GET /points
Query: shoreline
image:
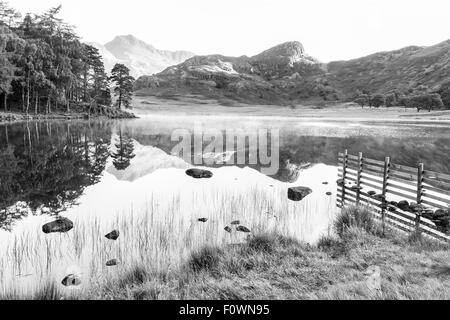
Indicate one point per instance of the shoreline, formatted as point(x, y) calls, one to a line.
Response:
point(162, 109)
point(17, 117)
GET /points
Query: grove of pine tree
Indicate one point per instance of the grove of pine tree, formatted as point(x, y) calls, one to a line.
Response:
point(44, 66)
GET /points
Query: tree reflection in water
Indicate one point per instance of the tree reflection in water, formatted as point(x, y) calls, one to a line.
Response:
point(124, 152)
point(45, 167)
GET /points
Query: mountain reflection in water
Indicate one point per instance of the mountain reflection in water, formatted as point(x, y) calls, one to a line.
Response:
point(46, 166)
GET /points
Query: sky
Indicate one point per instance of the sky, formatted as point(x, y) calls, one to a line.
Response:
point(329, 29)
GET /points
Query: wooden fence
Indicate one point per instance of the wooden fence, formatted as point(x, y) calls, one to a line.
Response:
point(407, 198)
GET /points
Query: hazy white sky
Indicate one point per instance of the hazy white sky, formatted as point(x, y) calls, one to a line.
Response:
point(329, 29)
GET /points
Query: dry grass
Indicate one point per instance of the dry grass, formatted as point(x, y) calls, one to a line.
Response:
point(275, 267)
point(271, 266)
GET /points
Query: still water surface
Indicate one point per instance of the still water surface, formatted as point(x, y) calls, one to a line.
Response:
point(106, 175)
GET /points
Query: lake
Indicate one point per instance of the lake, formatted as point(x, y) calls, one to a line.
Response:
point(130, 175)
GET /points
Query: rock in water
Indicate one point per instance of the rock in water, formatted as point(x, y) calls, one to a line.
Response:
point(61, 225)
point(298, 193)
point(227, 229)
point(403, 205)
point(439, 213)
point(243, 229)
point(112, 263)
point(113, 235)
point(204, 220)
point(199, 174)
point(428, 213)
point(71, 280)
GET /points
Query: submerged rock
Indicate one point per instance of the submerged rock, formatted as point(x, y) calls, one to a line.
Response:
point(199, 173)
point(298, 193)
point(325, 183)
point(112, 263)
point(113, 235)
point(371, 193)
point(61, 225)
point(227, 229)
point(71, 280)
point(204, 220)
point(243, 229)
point(235, 223)
point(329, 193)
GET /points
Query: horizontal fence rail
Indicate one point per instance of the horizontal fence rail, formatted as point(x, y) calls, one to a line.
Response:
point(407, 198)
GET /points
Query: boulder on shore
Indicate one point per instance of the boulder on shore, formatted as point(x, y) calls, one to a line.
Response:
point(61, 225)
point(298, 193)
point(199, 173)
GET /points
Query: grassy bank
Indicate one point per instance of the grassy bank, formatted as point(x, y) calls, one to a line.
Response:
point(359, 263)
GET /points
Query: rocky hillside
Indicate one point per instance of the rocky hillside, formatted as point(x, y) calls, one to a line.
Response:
point(403, 69)
point(141, 57)
point(280, 74)
point(286, 74)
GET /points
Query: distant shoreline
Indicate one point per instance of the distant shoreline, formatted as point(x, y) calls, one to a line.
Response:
point(189, 107)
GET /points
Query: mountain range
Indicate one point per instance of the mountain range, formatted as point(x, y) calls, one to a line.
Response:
point(287, 74)
point(140, 57)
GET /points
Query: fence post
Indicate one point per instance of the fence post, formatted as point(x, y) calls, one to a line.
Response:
point(344, 173)
point(420, 171)
point(358, 177)
point(387, 163)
